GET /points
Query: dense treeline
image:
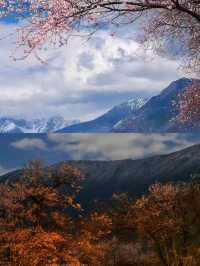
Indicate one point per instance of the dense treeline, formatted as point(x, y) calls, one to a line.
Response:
point(41, 223)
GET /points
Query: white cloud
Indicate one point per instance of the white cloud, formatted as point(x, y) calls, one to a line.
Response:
point(30, 144)
point(67, 85)
point(104, 146)
point(109, 146)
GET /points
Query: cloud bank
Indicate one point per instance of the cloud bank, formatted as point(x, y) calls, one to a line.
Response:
point(118, 146)
point(30, 144)
point(81, 80)
point(104, 146)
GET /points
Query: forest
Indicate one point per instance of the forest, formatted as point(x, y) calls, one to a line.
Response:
point(42, 223)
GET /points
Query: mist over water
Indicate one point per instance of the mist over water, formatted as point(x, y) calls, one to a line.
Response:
point(17, 149)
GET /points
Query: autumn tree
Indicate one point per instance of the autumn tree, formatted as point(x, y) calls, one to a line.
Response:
point(121, 211)
point(189, 106)
point(35, 227)
point(170, 27)
point(160, 22)
point(39, 225)
point(169, 217)
point(92, 231)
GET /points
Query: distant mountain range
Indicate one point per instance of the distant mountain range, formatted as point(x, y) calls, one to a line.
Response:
point(43, 125)
point(133, 176)
point(106, 122)
point(157, 115)
point(137, 115)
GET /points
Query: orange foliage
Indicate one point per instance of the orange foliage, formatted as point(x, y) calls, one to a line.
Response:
point(169, 217)
point(37, 229)
point(189, 106)
point(38, 247)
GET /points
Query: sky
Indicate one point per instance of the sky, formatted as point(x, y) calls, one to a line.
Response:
point(81, 80)
point(18, 149)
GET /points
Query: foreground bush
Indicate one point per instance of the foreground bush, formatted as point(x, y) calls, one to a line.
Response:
point(41, 223)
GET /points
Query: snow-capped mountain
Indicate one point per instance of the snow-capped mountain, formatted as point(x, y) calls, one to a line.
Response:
point(107, 121)
point(159, 114)
point(43, 125)
point(133, 104)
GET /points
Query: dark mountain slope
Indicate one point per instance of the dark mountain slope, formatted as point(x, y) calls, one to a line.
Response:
point(133, 176)
point(107, 121)
point(159, 113)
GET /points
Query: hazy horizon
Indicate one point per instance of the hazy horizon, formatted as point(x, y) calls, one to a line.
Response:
point(18, 149)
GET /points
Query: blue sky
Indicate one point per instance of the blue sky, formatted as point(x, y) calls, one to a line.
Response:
point(81, 80)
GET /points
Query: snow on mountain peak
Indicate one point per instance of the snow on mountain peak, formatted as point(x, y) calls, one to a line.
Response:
point(136, 103)
point(41, 125)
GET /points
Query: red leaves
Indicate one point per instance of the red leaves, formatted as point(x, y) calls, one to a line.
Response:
point(35, 228)
point(189, 105)
point(53, 22)
point(34, 225)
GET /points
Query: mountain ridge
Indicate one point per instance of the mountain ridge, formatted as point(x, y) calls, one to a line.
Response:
point(137, 115)
point(156, 115)
point(104, 178)
point(41, 125)
point(159, 114)
point(105, 122)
